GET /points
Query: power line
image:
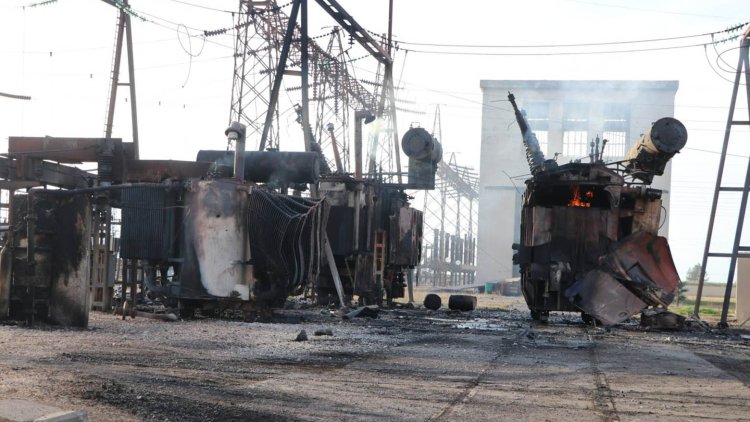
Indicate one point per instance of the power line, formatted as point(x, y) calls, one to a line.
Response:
point(564, 53)
point(733, 28)
point(643, 9)
point(202, 6)
point(14, 96)
point(175, 25)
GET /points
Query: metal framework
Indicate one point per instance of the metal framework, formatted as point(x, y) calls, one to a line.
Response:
point(738, 251)
point(271, 45)
point(449, 254)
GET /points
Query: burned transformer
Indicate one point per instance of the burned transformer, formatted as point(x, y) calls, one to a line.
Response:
point(211, 234)
point(589, 231)
point(228, 239)
point(374, 233)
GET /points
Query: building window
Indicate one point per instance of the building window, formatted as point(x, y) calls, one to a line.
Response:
point(615, 131)
point(537, 113)
point(575, 130)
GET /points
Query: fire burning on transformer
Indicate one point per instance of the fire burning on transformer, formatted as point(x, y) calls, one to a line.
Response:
point(589, 238)
point(578, 200)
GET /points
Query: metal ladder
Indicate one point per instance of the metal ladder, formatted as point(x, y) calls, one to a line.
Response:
point(738, 251)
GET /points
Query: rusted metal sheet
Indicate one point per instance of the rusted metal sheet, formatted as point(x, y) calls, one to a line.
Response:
point(599, 294)
point(405, 237)
point(644, 261)
point(50, 258)
point(25, 173)
point(69, 298)
point(62, 150)
point(216, 241)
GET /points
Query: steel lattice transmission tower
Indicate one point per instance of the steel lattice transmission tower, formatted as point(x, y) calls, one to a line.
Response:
point(334, 90)
point(256, 53)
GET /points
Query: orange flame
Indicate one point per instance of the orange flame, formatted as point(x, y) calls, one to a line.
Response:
point(576, 201)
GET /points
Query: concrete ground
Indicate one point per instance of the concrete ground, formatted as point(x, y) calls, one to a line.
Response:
point(490, 364)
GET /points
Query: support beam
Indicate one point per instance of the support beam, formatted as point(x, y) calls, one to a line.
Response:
point(305, 67)
point(125, 28)
point(26, 173)
point(353, 28)
point(334, 272)
point(131, 84)
point(279, 74)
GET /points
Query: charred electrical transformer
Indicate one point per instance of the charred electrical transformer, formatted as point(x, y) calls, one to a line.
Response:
point(45, 259)
point(209, 234)
point(224, 239)
point(375, 235)
point(589, 237)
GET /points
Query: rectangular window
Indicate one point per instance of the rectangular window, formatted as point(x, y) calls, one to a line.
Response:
point(575, 130)
point(616, 124)
point(537, 113)
point(543, 137)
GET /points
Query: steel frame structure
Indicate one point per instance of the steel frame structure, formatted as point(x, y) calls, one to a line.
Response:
point(271, 45)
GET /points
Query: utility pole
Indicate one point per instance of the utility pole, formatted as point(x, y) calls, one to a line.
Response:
point(124, 29)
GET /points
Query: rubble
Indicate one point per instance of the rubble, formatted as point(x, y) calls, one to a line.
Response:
point(302, 336)
point(662, 319)
point(363, 312)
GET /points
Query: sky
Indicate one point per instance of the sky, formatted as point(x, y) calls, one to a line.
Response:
point(60, 54)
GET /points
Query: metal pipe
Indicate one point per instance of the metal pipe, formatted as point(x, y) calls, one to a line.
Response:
point(107, 244)
point(270, 166)
point(334, 145)
point(105, 188)
point(304, 67)
point(368, 117)
point(334, 271)
point(358, 116)
point(356, 224)
point(236, 132)
point(30, 230)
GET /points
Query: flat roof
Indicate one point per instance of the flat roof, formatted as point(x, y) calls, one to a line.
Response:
point(578, 84)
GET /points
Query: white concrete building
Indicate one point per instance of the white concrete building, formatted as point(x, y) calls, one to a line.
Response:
point(566, 116)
